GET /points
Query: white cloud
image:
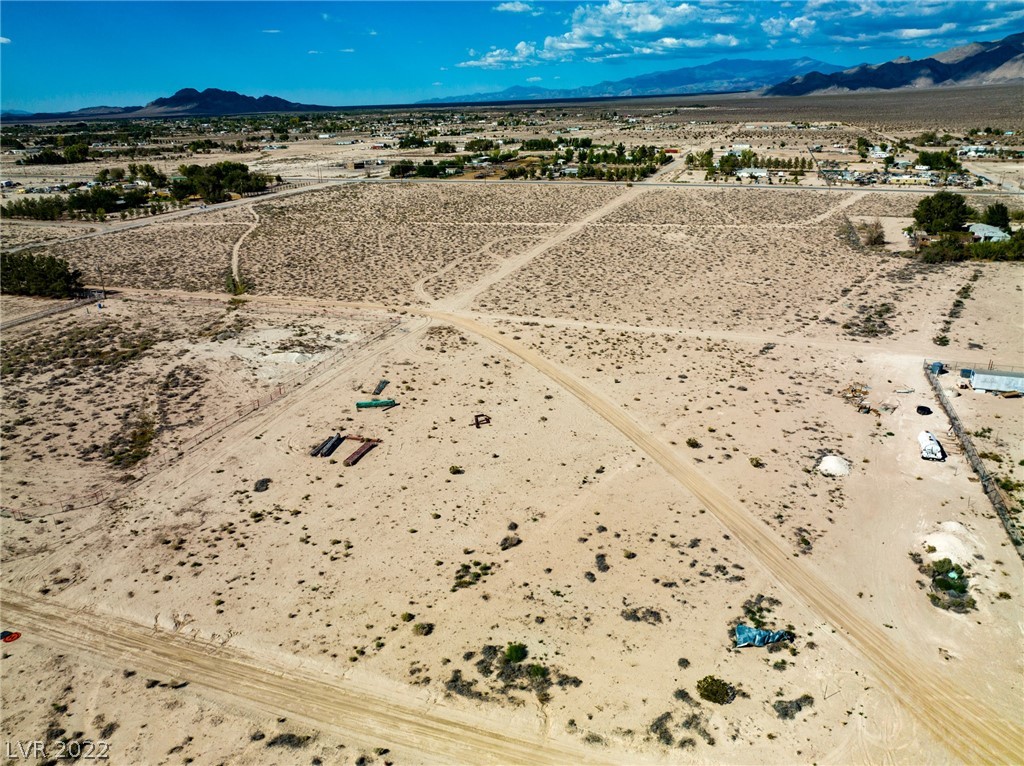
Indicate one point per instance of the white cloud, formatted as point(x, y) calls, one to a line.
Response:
point(502, 58)
point(802, 25)
point(775, 26)
point(671, 43)
point(514, 7)
point(534, 79)
point(346, 50)
point(4, 40)
point(620, 29)
point(313, 53)
point(908, 34)
point(437, 84)
point(913, 34)
point(271, 31)
point(372, 33)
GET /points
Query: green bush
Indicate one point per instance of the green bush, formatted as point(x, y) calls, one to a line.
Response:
point(716, 690)
point(515, 653)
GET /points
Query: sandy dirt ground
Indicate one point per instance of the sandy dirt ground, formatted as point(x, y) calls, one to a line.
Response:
point(664, 370)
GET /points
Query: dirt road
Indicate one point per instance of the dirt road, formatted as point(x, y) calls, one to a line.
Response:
point(427, 732)
point(966, 725)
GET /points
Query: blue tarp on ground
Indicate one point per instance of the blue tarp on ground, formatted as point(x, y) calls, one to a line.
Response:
point(747, 636)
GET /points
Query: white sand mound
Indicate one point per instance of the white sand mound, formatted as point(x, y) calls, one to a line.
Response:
point(951, 542)
point(292, 357)
point(833, 465)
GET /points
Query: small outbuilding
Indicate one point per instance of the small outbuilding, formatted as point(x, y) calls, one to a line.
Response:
point(997, 382)
point(986, 233)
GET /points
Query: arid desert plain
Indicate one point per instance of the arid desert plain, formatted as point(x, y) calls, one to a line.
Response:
point(664, 367)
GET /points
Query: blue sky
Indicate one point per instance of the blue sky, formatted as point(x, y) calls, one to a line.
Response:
point(67, 55)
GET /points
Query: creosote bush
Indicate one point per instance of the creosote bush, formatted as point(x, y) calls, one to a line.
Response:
point(515, 653)
point(716, 690)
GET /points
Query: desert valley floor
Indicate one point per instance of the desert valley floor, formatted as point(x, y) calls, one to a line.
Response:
point(663, 369)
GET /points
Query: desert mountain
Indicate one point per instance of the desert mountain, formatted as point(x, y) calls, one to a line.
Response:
point(986, 63)
point(188, 102)
point(718, 76)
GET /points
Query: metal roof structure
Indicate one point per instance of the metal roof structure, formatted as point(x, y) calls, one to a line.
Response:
point(991, 233)
point(993, 380)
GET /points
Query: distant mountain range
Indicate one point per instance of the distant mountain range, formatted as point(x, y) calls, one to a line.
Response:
point(725, 75)
point(187, 102)
point(988, 63)
point(984, 63)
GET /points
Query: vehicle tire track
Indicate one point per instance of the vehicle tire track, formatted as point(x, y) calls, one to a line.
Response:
point(238, 245)
point(435, 734)
point(512, 265)
point(967, 726)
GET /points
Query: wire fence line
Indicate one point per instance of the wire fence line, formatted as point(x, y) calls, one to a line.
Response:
point(116, 489)
point(988, 481)
point(980, 366)
point(44, 313)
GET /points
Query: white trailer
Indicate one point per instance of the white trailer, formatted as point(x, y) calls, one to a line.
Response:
point(930, 447)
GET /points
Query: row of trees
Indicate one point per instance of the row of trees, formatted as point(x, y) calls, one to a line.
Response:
point(74, 153)
point(96, 202)
point(616, 172)
point(728, 164)
point(40, 275)
point(427, 169)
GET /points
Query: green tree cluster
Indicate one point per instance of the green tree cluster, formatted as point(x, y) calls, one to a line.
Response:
point(998, 215)
point(942, 212)
point(538, 145)
point(480, 145)
point(412, 141)
point(945, 161)
point(214, 182)
point(40, 275)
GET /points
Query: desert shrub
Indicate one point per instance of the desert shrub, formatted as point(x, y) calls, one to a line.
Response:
point(716, 690)
point(873, 234)
point(693, 443)
point(423, 628)
point(288, 740)
point(515, 653)
point(131, 445)
point(659, 728)
point(787, 709)
point(456, 470)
